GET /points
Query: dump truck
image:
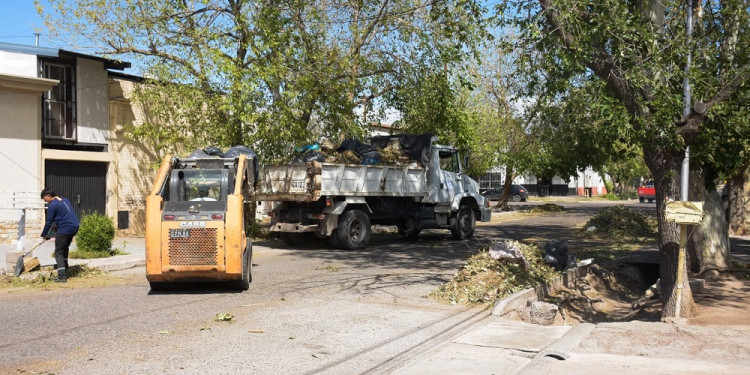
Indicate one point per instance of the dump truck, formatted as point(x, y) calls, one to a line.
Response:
point(341, 201)
point(195, 224)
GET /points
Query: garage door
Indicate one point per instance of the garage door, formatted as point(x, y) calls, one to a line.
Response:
point(84, 183)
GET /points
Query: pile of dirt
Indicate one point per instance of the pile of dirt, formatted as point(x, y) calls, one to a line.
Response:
point(622, 223)
point(547, 207)
point(484, 280)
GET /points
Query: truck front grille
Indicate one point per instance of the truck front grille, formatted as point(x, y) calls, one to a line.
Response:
point(197, 250)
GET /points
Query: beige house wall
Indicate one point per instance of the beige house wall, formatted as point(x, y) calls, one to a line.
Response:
point(135, 165)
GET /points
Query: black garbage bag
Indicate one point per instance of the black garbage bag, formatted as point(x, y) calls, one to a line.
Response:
point(214, 151)
point(252, 157)
point(363, 150)
point(198, 154)
point(556, 255)
point(313, 156)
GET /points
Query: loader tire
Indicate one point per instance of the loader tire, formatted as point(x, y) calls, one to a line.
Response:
point(247, 269)
point(354, 230)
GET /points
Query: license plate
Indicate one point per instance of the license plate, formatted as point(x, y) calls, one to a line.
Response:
point(179, 233)
point(299, 185)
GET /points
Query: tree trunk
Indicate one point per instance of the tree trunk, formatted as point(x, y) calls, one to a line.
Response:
point(708, 244)
point(503, 203)
point(737, 203)
point(665, 167)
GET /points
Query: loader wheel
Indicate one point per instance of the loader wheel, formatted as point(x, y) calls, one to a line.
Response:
point(247, 269)
point(464, 224)
point(354, 230)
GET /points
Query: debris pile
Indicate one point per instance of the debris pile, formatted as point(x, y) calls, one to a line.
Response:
point(547, 207)
point(496, 272)
point(403, 149)
point(621, 222)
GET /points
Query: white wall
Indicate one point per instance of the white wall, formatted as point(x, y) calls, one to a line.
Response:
point(20, 132)
point(93, 101)
point(19, 64)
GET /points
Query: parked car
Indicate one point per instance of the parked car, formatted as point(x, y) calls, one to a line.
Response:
point(518, 193)
point(647, 191)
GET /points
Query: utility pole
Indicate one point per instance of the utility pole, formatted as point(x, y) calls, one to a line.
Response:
point(684, 178)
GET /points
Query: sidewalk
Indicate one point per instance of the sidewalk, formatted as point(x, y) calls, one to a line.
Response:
point(135, 247)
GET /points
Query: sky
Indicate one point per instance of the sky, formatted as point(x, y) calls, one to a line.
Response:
point(18, 22)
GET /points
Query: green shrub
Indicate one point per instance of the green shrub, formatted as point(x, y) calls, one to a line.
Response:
point(96, 234)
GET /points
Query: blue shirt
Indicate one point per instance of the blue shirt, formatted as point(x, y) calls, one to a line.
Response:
point(61, 212)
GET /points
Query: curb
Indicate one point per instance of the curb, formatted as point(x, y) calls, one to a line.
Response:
point(519, 299)
point(115, 266)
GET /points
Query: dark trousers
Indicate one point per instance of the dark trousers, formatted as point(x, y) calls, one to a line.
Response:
point(62, 248)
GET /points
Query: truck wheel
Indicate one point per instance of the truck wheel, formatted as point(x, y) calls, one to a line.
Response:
point(247, 269)
point(354, 230)
point(641, 199)
point(464, 224)
point(650, 201)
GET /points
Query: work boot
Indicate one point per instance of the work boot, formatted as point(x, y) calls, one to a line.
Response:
point(62, 276)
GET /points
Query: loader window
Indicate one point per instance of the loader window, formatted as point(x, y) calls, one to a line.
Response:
point(198, 185)
point(203, 186)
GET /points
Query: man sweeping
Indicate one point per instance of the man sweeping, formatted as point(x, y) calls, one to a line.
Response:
point(60, 211)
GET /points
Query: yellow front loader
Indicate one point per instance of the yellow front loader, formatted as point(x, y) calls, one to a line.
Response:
point(195, 229)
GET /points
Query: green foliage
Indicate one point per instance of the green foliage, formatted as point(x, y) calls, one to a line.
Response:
point(95, 234)
point(269, 74)
point(484, 280)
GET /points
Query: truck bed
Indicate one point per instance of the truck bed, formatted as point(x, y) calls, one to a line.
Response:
point(310, 181)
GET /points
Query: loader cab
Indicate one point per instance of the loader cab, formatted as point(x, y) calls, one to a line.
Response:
point(197, 188)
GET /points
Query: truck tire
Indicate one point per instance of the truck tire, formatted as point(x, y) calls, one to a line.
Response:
point(641, 199)
point(651, 200)
point(464, 224)
point(354, 230)
point(247, 269)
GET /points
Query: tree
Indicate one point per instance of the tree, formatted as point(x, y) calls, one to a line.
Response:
point(270, 74)
point(633, 48)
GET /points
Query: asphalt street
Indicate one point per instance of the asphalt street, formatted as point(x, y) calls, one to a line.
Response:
point(308, 310)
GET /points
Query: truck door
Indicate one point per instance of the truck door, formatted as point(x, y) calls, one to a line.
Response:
point(451, 170)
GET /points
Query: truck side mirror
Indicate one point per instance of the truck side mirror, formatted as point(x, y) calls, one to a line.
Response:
point(466, 163)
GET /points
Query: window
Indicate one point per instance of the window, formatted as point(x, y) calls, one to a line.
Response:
point(449, 161)
point(59, 107)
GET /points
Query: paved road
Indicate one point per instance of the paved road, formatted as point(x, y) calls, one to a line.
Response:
point(309, 310)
